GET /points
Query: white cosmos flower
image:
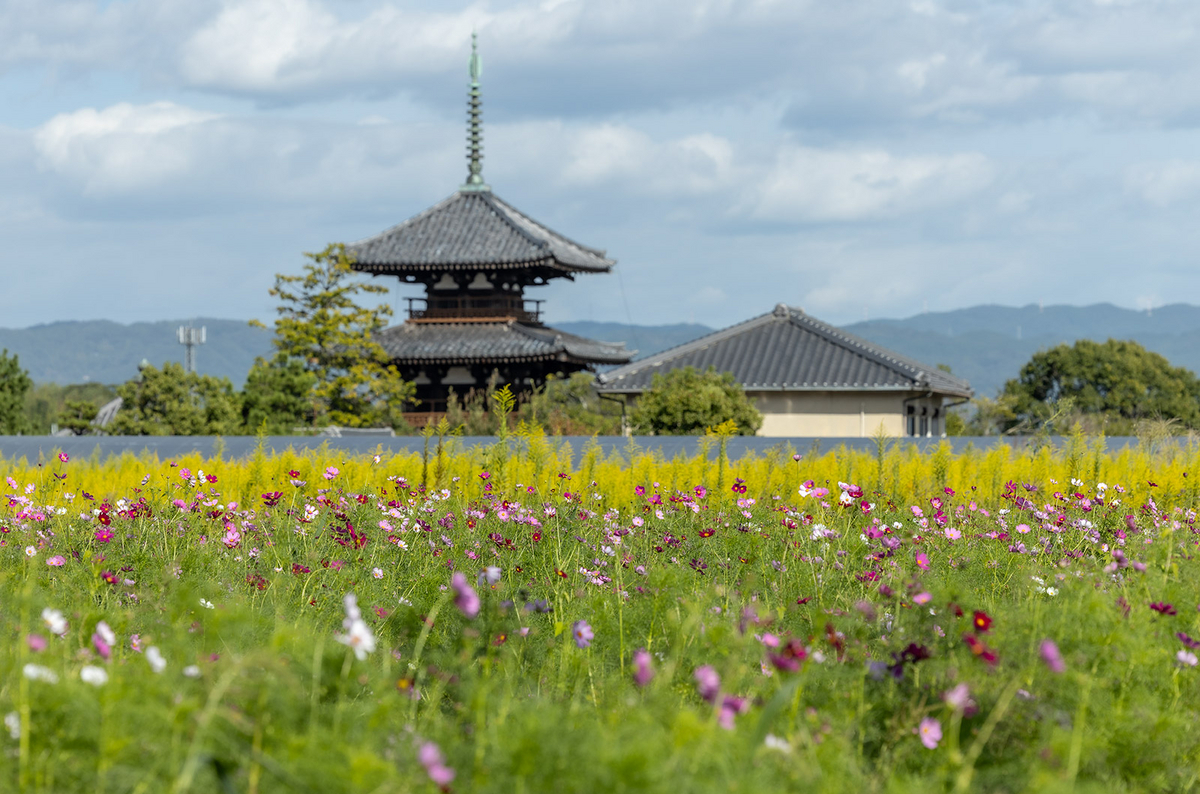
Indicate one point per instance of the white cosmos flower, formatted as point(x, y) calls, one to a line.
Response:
point(30, 551)
point(192, 671)
point(359, 638)
point(91, 674)
point(36, 672)
point(206, 604)
point(155, 658)
point(55, 621)
point(12, 721)
point(106, 634)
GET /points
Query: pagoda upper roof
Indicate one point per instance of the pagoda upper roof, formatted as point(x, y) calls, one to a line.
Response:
point(473, 229)
point(481, 342)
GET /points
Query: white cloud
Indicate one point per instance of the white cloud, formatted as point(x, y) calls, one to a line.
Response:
point(120, 148)
point(1163, 184)
point(286, 47)
point(610, 153)
point(809, 184)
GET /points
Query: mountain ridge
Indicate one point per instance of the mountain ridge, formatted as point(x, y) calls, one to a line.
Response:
point(986, 344)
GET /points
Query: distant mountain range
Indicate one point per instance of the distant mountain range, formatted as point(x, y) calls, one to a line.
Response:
point(987, 345)
point(102, 351)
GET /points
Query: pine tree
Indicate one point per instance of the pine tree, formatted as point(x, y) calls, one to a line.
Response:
point(15, 383)
point(321, 326)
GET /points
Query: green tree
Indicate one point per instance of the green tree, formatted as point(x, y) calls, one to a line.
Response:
point(14, 384)
point(685, 402)
point(1120, 381)
point(278, 394)
point(321, 326)
point(172, 402)
point(46, 403)
point(77, 416)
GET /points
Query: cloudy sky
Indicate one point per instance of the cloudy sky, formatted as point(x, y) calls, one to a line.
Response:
point(164, 158)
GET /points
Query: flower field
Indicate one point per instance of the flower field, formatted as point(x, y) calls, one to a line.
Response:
point(525, 619)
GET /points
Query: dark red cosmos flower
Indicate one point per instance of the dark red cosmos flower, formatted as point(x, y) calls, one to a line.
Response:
point(981, 650)
point(1162, 608)
point(707, 533)
point(271, 498)
point(109, 577)
point(982, 621)
point(561, 573)
point(1188, 641)
point(699, 566)
point(790, 656)
point(802, 601)
point(212, 478)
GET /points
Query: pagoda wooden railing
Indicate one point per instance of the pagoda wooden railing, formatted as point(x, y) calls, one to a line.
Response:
point(450, 308)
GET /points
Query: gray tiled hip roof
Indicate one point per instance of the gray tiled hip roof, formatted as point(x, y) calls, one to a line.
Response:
point(458, 343)
point(473, 230)
point(787, 350)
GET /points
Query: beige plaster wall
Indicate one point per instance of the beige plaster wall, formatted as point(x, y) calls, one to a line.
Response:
point(839, 413)
point(829, 413)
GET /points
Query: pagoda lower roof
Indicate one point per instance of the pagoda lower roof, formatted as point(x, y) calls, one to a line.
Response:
point(499, 342)
point(473, 230)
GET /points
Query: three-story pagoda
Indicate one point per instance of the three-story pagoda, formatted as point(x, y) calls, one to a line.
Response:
point(475, 254)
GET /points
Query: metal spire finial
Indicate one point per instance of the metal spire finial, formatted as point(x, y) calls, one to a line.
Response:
point(474, 123)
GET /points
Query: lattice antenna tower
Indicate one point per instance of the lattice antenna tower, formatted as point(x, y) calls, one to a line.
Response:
point(191, 338)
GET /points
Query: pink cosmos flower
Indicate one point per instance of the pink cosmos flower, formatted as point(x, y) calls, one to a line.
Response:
point(930, 731)
point(643, 669)
point(57, 560)
point(952, 534)
point(64, 457)
point(465, 597)
point(104, 535)
point(185, 474)
point(958, 697)
point(730, 707)
point(922, 560)
point(37, 643)
point(1052, 657)
point(430, 757)
point(331, 472)
point(583, 634)
point(922, 598)
point(708, 683)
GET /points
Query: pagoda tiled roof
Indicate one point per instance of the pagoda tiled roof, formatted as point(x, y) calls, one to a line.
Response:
point(481, 342)
point(788, 350)
point(473, 229)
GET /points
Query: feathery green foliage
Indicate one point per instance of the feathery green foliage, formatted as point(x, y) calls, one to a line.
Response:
point(321, 325)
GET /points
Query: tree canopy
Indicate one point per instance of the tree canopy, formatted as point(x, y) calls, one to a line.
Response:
point(687, 402)
point(14, 384)
point(173, 402)
point(322, 328)
point(1118, 380)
